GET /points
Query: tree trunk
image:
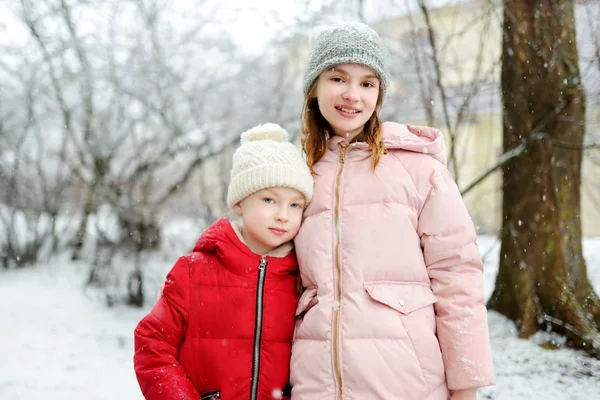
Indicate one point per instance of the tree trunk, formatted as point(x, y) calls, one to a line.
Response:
point(90, 206)
point(88, 209)
point(542, 280)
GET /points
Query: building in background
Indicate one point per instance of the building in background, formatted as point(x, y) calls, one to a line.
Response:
point(467, 65)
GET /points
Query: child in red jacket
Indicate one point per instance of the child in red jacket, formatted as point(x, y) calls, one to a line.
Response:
point(223, 327)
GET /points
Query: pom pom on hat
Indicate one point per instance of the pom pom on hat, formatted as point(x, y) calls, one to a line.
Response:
point(266, 159)
point(264, 132)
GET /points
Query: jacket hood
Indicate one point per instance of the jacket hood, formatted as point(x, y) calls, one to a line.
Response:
point(420, 139)
point(221, 238)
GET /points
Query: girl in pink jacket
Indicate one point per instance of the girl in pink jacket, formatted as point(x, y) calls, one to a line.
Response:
point(393, 304)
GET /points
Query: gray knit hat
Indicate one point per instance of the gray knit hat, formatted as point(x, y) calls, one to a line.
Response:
point(348, 42)
point(267, 159)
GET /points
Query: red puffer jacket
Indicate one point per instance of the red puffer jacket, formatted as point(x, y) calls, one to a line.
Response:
point(223, 327)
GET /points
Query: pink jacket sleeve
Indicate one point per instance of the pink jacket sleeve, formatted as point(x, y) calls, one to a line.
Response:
point(158, 337)
point(455, 269)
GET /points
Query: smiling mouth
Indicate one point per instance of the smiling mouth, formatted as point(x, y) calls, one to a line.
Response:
point(347, 110)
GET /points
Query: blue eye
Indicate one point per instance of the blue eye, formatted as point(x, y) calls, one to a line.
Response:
point(268, 200)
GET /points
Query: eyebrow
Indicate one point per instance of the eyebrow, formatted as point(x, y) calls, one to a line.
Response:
point(343, 71)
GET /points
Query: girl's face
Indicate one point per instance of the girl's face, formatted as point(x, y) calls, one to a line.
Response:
point(270, 217)
point(347, 96)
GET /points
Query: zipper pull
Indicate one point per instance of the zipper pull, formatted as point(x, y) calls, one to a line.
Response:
point(263, 263)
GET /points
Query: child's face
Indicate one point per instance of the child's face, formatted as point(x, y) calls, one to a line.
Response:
point(270, 217)
point(347, 96)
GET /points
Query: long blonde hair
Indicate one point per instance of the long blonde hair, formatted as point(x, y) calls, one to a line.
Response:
point(315, 130)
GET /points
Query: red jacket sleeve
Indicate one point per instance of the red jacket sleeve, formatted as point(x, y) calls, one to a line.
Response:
point(157, 339)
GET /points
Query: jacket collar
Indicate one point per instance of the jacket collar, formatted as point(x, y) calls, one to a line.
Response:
point(420, 139)
point(222, 239)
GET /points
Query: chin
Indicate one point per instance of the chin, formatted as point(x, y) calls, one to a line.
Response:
point(344, 129)
point(282, 242)
point(272, 245)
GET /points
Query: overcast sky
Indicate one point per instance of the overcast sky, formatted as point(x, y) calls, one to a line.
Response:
point(252, 22)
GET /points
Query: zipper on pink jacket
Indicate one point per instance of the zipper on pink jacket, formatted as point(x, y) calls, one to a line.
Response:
point(260, 291)
point(338, 282)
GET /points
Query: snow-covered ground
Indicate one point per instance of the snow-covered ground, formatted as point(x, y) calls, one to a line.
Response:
point(59, 341)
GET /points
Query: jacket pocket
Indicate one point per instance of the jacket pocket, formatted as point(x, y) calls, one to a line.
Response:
point(405, 297)
point(414, 303)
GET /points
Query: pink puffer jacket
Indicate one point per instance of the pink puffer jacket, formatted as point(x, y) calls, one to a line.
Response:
point(394, 303)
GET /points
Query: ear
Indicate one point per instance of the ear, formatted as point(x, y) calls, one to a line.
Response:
point(237, 209)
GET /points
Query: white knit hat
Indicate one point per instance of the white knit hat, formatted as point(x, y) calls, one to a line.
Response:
point(267, 159)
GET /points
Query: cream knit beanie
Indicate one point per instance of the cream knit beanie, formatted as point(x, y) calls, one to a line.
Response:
point(267, 159)
point(348, 42)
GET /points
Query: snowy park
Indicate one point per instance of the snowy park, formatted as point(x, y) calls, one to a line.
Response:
point(394, 135)
point(60, 342)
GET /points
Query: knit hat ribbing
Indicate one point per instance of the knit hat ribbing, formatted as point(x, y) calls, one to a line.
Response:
point(266, 159)
point(348, 42)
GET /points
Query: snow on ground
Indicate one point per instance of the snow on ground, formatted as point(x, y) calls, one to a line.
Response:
point(59, 341)
point(57, 344)
point(523, 369)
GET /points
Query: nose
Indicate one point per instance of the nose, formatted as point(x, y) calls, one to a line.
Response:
point(351, 93)
point(282, 215)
